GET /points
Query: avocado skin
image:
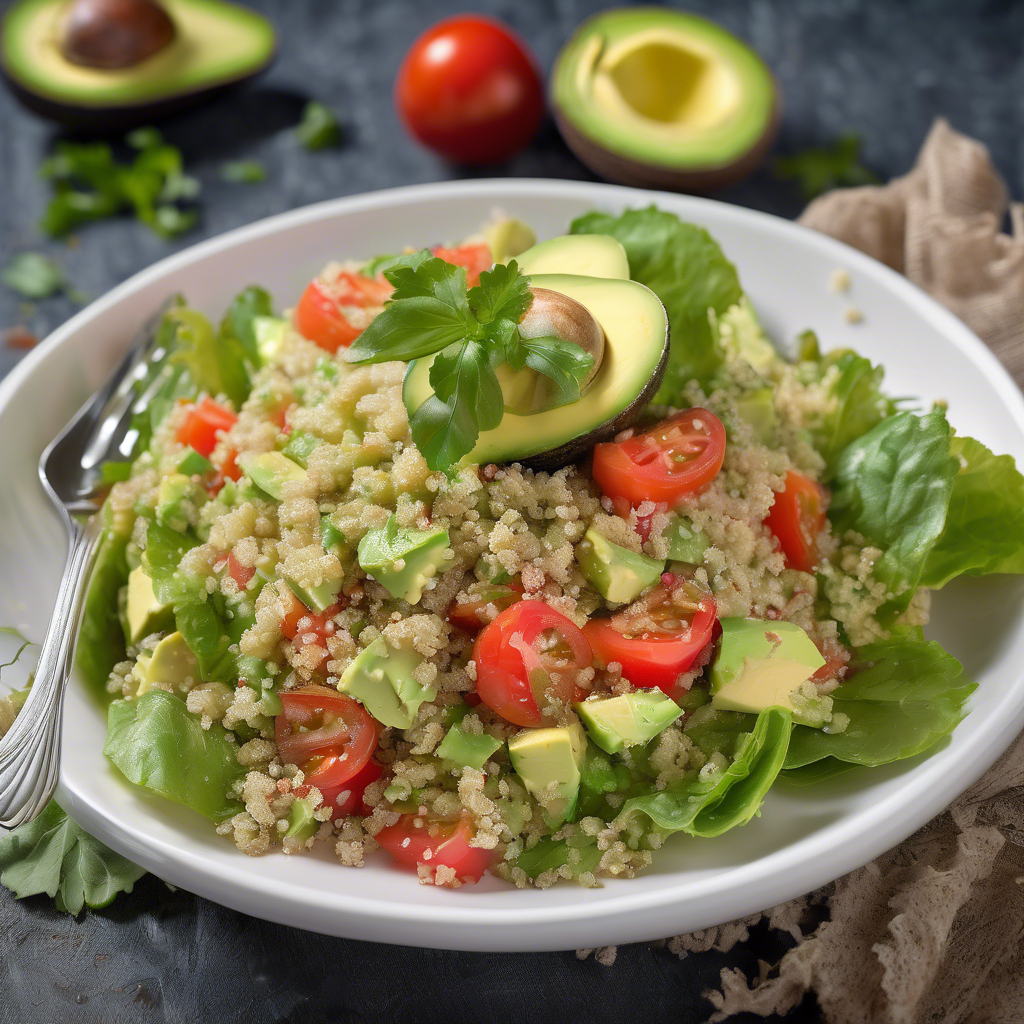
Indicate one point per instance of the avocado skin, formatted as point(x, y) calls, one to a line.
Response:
point(580, 447)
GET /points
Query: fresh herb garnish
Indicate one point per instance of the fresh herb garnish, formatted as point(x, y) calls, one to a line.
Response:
point(33, 275)
point(470, 331)
point(820, 169)
point(318, 128)
point(243, 172)
point(90, 184)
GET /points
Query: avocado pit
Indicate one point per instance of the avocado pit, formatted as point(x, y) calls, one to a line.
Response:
point(114, 34)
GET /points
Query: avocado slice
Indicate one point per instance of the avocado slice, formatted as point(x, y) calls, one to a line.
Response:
point(507, 237)
point(215, 45)
point(467, 749)
point(172, 662)
point(757, 408)
point(402, 560)
point(144, 614)
point(760, 665)
point(319, 596)
point(585, 255)
point(686, 543)
point(616, 573)
point(381, 680)
point(653, 97)
point(548, 762)
point(628, 720)
point(635, 354)
point(175, 493)
point(270, 471)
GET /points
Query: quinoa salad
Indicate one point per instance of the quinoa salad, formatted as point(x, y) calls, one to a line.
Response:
point(515, 557)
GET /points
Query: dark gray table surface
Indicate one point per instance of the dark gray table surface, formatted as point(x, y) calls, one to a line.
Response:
point(881, 70)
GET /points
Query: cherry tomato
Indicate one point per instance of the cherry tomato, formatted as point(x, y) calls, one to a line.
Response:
point(528, 658)
point(203, 423)
point(326, 312)
point(836, 659)
point(659, 638)
point(796, 519)
point(305, 627)
point(413, 844)
point(330, 736)
point(469, 89)
point(475, 258)
point(675, 458)
point(241, 574)
point(471, 615)
point(347, 798)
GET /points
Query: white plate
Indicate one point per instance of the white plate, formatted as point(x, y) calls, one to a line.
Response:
point(804, 838)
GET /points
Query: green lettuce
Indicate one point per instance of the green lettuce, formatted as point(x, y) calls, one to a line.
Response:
point(215, 363)
point(155, 742)
point(550, 854)
point(686, 268)
point(239, 321)
point(53, 855)
point(893, 486)
point(984, 526)
point(903, 696)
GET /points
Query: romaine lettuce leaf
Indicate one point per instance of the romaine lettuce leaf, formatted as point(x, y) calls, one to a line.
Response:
point(903, 695)
point(686, 268)
point(53, 855)
point(893, 486)
point(155, 742)
point(984, 529)
point(216, 364)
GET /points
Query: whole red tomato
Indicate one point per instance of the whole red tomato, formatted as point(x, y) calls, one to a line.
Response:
point(469, 89)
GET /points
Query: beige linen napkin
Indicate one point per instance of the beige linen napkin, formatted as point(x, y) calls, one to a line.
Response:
point(933, 931)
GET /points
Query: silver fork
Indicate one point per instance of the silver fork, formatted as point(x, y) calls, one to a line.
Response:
point(70, 470)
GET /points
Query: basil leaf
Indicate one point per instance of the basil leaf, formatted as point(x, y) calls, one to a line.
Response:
point(155, 742)
point(503, 293)
point(33, 275)
point(563, 362)
point(414, 327)
point(53, 855)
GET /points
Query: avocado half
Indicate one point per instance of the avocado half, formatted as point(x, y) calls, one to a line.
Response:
point(216, 45)
point(658, 98)
point(635, 355)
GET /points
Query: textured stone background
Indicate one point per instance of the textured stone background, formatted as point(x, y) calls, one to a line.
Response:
point(883, 70)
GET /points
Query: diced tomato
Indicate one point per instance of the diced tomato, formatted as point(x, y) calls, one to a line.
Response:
point(241, 574)
point(330, 736)
point(351, 289)
point(796, 519)
point(836, 659)
point(475, 258)
point(527, 659)
point(659, 638)
point(347, 798)
point(202, 425)
point(305, 627)
point(319, 318)
point(416, 840)
point(675, 458)
point(471, 615)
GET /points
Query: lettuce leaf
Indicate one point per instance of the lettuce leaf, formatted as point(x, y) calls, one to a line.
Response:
point(155, 742)
point(53, 855)
point(893, 486)
point(984, 530)
point(686, 268)
point(215, 363)
point(708, 806)
point(238, 322)
point(550, 854)
point(903, 695)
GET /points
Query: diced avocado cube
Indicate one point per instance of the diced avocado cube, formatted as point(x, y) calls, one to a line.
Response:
point(628, 720)
point(319, 596)
point(270, 333)
point(299, 445)
point(382, 681)
point(686, 543)
point(332, 539)
point(144, 614)
point(758, 409)
point(194, 464)
point(271, 703)
point(548, 763)
point(508, 237)
point(270, 471)
point(487, 572)
point(176, 499)
point(327, 368)
point(467, 749)
point(760, 664)
point(616, 573)
point(401, 559)
point(172, 662)
point(301, 823)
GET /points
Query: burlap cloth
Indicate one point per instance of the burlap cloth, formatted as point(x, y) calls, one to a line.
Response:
point(934, 929)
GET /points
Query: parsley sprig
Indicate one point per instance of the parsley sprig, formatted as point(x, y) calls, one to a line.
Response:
point(469, 331)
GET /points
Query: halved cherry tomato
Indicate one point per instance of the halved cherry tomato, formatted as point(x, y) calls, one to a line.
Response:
point(413, 844)
point(319, 318)
point(675, 458)
point(469, 89)
point(796, 519)
point(470, 615)
point(204, 421)
point(528, 658)
point(327, 734)
point(475, 258)
point(351, 289)
point(241, 574)
point(659, 638)
point(347, 798)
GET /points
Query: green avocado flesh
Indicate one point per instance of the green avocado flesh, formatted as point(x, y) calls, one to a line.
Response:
point(628, 720)
point(216, 43)
point(616, 573)
point(548, 762)
point(636, 341)
point(585, 255)
point(662, 88)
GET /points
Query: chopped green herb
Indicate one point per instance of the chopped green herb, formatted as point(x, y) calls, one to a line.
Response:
point(819, 169)
point(33, 275)
point(318, 128)
point(243, 172)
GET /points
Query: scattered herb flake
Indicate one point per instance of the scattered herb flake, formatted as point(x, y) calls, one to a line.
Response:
point(318, 128)
point(243, 172)
point(817, 170)
point(33, 275)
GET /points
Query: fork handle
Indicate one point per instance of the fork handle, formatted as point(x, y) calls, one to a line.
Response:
point(30, 751)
